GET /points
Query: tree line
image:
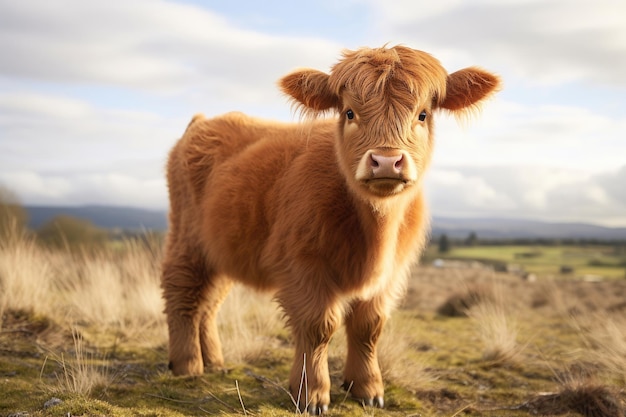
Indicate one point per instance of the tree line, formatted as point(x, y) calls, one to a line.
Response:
point(445, 243)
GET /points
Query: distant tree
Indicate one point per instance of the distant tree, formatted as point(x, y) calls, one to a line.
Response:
point(444, 244)
point(13, 217)
point(472, 239)
point(71, 232)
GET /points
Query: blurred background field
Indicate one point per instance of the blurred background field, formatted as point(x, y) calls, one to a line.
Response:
point(585, 261)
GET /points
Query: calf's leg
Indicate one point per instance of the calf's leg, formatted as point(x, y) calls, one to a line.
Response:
point(364, 324)
point(214, 294)
point(193, 294)
point(313, 321)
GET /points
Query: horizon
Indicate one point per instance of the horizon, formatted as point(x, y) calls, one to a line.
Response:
point(88, 115)
point(433, 217)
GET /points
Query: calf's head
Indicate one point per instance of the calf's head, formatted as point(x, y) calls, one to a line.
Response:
point(385, 99)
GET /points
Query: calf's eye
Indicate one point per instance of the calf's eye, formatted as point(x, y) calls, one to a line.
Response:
point(350, 114)
point(422, 116)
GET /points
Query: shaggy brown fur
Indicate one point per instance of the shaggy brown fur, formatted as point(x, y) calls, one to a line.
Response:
point(329, 218)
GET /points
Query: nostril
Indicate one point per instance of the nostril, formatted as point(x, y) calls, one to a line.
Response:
point(373, 161)
point(398, 164)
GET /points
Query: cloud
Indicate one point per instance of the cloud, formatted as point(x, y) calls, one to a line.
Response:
point(152, 45)
point(86, 188)
point(511, 133)
point(46, 132)
point(472, 190)
point(528, 191)
point(551, 41)
point(614, 185)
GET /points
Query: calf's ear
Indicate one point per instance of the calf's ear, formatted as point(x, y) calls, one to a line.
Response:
point(310, 90)
point(467, 88)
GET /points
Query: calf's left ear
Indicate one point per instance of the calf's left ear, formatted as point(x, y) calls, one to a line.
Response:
point(467, 88)
point(310, 90)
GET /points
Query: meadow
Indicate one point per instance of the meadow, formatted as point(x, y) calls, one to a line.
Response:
point(588, 261)
point(82, 333)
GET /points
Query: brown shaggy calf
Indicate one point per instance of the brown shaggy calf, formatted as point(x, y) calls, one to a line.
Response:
point(329, 216)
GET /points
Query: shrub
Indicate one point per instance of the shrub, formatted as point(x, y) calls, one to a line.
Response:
point(72, 233)
point(12, 215)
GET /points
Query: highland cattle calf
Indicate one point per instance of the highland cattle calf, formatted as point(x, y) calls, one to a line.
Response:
point(329, 216)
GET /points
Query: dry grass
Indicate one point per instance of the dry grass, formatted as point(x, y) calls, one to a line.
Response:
point(497, 327)
point(96, 301)
point(582, 396)
point(81, 373)
point(26, 276)
point(605, 338)
point(249, 323)
point(117, 292)
point(398, 363)
point(461, 302)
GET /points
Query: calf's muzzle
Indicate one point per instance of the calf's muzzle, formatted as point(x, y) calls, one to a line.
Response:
point(386, 166)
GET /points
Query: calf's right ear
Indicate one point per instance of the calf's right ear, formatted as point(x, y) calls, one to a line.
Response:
point(309, 89)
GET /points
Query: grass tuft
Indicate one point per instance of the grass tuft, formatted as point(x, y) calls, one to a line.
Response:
point(497, 330)
point(588, 399)
point(80, 374)
point(605, 340)
point(460, 302)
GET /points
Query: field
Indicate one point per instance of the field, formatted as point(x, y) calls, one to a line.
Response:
point(83, 334)
point(577, 261)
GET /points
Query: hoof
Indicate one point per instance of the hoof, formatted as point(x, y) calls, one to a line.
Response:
point(186, 368)
point(317, 410)
point(378, 402)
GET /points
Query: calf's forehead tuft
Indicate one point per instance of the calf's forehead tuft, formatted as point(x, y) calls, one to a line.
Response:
point(389, 73)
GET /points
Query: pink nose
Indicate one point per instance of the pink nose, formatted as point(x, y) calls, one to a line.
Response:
point(387, 166)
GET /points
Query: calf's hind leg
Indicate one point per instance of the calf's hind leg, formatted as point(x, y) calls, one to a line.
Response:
point(193, 294)
point(214, 294)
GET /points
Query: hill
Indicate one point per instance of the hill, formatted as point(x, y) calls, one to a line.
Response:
point(486, 228)
point(129, 218)
point(107, 217)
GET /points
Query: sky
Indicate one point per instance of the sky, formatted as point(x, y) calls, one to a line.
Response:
point(93, 94)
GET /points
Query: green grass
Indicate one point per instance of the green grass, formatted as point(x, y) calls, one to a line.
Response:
point(603, 261)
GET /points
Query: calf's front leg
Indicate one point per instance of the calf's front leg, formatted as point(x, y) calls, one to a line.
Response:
point(362, 376)
point(313, 324)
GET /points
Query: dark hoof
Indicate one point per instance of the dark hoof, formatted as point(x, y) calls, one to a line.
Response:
point(317, 410)
point(378, 402)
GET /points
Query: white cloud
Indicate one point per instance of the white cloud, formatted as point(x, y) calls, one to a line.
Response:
point(148, 44)
point(33, 105)
point(508, 133)
point(529, 191)
point(473, 191)
point(51, 133)
point(30, 184)
point(551, 41)
point(90, 188)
